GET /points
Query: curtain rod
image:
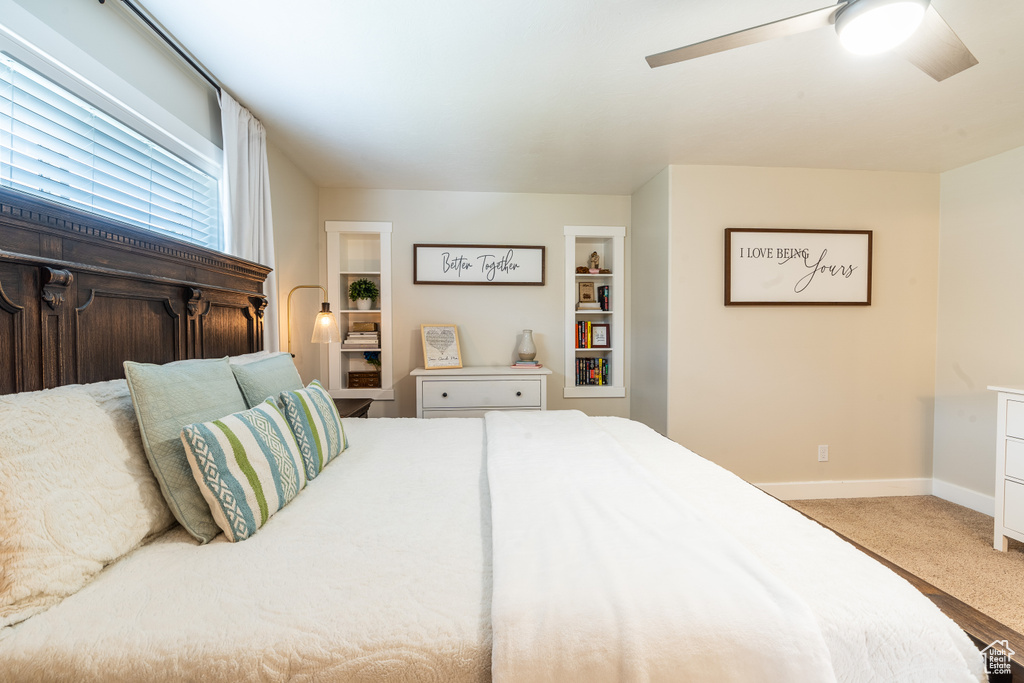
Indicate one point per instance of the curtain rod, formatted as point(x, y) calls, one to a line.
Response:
point(170, 41)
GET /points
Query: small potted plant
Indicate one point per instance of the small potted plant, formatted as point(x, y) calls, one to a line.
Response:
point(363, 292)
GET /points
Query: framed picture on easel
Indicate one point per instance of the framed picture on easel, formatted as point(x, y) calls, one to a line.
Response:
point(440, 347)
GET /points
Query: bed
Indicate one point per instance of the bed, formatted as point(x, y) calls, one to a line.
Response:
point(516, 547)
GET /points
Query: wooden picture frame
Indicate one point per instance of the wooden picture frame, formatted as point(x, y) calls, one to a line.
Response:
point(600, 336)
point(440, 347)
point(478, 264)
point(780, 267)
point(587, 293)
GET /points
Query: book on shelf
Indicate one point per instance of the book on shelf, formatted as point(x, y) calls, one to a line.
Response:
point(363, 327)
point(592, 371)
point(526, 364)
point(588, 306)
point(603, 298)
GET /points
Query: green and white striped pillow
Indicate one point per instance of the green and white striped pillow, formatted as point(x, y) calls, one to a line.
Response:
point(247, 466)
point(316, 424)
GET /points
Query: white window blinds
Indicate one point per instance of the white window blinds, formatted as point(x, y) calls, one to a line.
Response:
point(56, 145)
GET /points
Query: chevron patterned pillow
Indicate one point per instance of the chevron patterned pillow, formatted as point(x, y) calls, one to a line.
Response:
point(316, 424)
point(247, 466)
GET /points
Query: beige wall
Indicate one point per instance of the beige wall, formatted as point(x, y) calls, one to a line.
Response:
point(104, 32)
point(294, 198)
point(490, 319)
point(756, 389)
point(980, 325)
point(649, 302)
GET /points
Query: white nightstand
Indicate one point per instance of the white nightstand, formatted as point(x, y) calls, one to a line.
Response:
point(471, 392)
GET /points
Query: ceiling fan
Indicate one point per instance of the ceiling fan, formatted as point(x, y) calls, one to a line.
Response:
point(911, 27)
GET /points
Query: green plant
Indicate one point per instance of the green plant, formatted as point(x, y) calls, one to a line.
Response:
point(363, 289)
point(373, 358)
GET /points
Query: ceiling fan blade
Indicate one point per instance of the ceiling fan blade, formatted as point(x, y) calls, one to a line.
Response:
point(935, 49)
point(777, 29)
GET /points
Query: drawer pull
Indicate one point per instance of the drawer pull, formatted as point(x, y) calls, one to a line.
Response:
point(519, 393)
point(444, 395)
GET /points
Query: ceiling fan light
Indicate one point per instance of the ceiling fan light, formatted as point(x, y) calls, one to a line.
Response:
point(870, 27)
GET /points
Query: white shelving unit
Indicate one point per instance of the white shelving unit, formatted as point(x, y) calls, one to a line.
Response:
point(359, 250)
point(610, 245)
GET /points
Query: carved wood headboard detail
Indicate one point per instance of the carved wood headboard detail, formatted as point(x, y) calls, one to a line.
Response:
point(80, 294)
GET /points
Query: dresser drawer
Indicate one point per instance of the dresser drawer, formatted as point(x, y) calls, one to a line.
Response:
point(1015, 459)
point(497, 393)
point(1013, 506)
point(1015, 419)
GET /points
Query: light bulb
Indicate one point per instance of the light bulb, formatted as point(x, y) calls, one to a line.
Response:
point(878, 28)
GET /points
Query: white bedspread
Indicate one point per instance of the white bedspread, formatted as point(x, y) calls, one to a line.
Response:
point(601, 574)
point(380, 570)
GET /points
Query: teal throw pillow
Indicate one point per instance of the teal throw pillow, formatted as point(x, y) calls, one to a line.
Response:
point(316, 424)
point(247, 466)
point(266, 378)
point(166, 398)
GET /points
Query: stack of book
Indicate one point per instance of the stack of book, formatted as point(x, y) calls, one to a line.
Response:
point(361, 340)
point(527, 364)
point(591, 372)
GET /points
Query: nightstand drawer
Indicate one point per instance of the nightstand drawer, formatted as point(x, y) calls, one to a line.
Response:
point(1013, 506)
point(1015, 459)
point(1015, 419)
point(481, 394)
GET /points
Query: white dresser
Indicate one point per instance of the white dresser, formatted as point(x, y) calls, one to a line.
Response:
point(1009, 511)
point(471, 392)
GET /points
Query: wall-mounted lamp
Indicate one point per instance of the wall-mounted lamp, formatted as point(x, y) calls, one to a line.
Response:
point(325, 328)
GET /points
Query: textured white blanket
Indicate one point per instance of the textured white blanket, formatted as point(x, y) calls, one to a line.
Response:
point(380, 570)
point(603, 574)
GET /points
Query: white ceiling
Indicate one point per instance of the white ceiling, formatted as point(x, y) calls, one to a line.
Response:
point(555, 95)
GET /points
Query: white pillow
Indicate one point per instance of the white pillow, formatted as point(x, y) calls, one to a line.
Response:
point(76, 492)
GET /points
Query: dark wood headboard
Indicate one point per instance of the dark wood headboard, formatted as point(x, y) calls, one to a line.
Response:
point(80, 294)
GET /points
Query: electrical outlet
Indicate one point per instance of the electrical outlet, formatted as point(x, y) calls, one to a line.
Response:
point(822, 453)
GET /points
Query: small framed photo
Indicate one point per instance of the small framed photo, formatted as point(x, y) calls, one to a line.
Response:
point(587, 295)
point(601, 338)
point(440, 346)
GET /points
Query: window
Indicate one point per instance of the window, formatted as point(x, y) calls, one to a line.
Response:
point(56, 145)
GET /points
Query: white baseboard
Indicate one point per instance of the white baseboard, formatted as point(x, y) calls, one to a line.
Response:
point(978, 502)
point(875, 488)
point(860, 488)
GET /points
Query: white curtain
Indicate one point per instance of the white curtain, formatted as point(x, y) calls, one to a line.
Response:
point(249, 227)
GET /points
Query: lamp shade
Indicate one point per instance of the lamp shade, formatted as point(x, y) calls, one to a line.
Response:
point(869, 27)
point(325, 328)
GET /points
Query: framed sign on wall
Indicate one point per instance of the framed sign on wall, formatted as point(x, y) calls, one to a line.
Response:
point(477, 264)
point(766, 266)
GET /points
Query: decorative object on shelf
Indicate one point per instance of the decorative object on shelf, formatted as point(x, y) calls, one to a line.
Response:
point(440, 346)
point(364, 380)
point(797, 267)
point(582, 270)
point(373, 358)
point(363, 292)
point(595, 263)
point(588, 297)
point(600, 338)
point(527, 350)
point(325, 328)
point(477, 264)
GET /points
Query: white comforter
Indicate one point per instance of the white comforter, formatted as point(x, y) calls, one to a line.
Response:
point(602, 574)
point(381, 570)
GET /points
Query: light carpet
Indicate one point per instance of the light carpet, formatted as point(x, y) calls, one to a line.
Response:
point(945, 544)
